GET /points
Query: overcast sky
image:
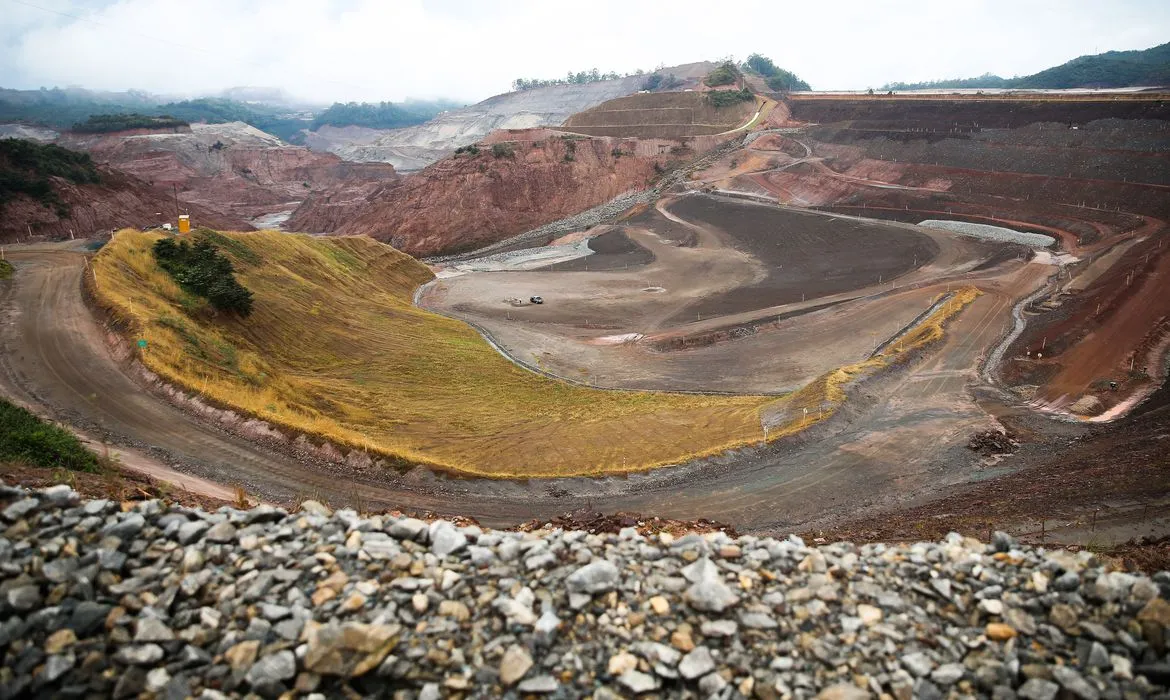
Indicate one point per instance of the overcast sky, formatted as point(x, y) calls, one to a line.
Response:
point(328, 50)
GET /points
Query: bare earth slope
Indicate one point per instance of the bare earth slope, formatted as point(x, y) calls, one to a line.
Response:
point(232, 168)
point(119, 201)
point(416, 147)
point(468, 201)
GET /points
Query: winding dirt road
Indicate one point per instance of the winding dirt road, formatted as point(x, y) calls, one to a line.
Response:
point(54, 357)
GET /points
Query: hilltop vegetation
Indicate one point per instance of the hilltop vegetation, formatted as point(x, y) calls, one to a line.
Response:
point(26, 168)
point(336, 349)
point(1112, 69)
point(106, 123)
point(776, 77)
point(381, 115)
point(725, 74)
point(578, 78)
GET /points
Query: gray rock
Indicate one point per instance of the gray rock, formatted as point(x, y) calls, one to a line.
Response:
point(638, 682)
point(917, 663)
point(192, 530)
point(719, 628)
point(697, 662)
point(445, 539)
point(126, 527)
point(221, 533)
point(948, 674)
point(408, 529)
point(757, 621)
point(538, 684)
point(1002, 542)
point(24, 597)
point(596, 577)
point(20, 509)
point(59, 570)
point(56, 666)
point(1038, 689)
point(711, 593)
point(60, 495)
point(1074, 683)
point(272, 670)
point(142, 655)
point(712, 684)
point(152, 629)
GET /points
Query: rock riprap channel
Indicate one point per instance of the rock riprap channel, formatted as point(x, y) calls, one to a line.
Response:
point(101, 599)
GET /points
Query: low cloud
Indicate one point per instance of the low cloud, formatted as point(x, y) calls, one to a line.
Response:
point(375, 50)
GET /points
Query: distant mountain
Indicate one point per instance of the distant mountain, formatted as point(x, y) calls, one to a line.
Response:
point(1112, 69)
point(267, 109)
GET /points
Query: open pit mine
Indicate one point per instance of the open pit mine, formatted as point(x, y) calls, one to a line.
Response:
point(432, 410)
point(780, 311)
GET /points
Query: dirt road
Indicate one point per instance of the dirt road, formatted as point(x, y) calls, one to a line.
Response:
point(55, 358)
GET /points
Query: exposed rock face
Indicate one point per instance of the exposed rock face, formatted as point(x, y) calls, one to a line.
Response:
point(416, 147)
point(468, 201)
point(233, 168)
point(119, 201)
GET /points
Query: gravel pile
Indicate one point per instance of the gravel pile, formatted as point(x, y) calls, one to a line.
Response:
point(103, 601)
point(991, 233)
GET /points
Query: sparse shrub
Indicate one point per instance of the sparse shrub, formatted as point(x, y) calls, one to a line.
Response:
point(26, 438)
point(726, 98)
point(6, 269)
point(471, 150)
point(502, 150)
point(201, 270)
point(569, 158)
point(725, 74)
point(617, 153)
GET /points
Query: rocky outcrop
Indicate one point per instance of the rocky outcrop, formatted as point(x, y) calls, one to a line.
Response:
point(233, 168)
point(118, 201)
point(416, 147)
point(467, 201)
point(116, 600)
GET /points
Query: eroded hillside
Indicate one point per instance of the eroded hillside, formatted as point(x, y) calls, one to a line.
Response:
point(232, 168)
point(490, 192)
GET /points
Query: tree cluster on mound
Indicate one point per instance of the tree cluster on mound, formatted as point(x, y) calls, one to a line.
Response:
point(201, 270)
point(381, 115)
point(776, 77)
point(726, 98)
point(659, 81)
point(26, 168)
point(725, 74)
point(107, 123)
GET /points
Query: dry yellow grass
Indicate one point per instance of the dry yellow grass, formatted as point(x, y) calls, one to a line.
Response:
point(819, 399)
point(336, 349)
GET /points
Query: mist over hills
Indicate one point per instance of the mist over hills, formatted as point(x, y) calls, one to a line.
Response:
point(1112, 69)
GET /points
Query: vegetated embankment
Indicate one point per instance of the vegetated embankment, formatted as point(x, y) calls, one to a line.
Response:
point(661, 115)
point(335, 350)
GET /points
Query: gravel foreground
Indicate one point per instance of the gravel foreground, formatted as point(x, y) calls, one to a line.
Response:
point(101, 601)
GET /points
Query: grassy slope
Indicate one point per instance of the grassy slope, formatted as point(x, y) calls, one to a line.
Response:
point(336, 348)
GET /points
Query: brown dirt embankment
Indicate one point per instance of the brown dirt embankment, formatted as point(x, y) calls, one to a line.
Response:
point(118, 201)
point(473, 199)
point(660, 115)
